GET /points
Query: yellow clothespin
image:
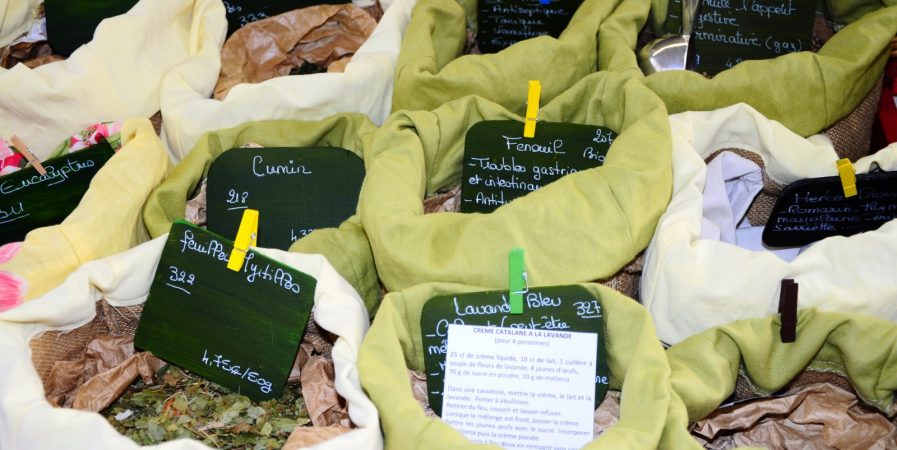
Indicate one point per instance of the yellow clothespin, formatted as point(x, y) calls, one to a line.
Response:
point(247, 236)
point(23, 149)
point(532, 108)
point(848, 177)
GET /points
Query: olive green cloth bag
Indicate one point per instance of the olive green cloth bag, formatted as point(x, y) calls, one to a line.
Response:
point(345, 247)
point(431, 70)
point(582, 227)
point(636, 359)
point(807, 92)
point(861, 348)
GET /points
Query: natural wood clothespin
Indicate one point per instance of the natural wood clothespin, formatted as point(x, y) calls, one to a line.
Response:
point(22, 148)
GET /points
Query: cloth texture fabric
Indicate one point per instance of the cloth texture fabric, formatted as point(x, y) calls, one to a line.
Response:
point(635, 358)
point(16, 17)
point(346, 247)
point(118, 74)
point(365, 86)
point(805, 91)
point(690, 283)
point(431, 70)
point(108, 220)
point(583, 227)
point(27, 420)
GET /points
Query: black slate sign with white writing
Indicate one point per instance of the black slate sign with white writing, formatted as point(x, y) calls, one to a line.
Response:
point(501, 165)
point(502, 23)
point(29, 200)
point(295, 190)
point(815, 208)
point(239, 329)
point(727, 32)
point(243, 12)
point(559, 308)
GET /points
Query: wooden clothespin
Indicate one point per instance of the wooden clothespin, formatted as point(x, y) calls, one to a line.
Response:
point(517, 282)
point(533, 96)
point(22, 148)
point(848, 177)
point(247, 236)
point(788, 310)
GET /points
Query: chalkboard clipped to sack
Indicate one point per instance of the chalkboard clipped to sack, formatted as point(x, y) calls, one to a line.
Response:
point(243, 12)
point(502, 23)
point(295, 190)
point(727, 32)
point(815, 208)
point(29, 200)
point(239, 329)
point(559, 308)
point(500, 164)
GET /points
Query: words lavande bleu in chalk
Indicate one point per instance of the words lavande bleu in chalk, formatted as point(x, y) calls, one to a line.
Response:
point(29, 200)
point(501, 165)
point(727, 32)
point(548, 313)
point(239, 329)
point(295, 190)
point(815, 208)
point(502, 23)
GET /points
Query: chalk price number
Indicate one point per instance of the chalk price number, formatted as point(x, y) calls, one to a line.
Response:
point(181, 276)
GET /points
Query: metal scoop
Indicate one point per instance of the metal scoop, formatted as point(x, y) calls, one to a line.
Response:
point(670, 52)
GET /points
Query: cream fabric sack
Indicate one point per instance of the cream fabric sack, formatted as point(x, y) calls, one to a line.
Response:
point(28, 421)
point(365, 87)
point(15, 18)
point(116, 75)
point(692, 283)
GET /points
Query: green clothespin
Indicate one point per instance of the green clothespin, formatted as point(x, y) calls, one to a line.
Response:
point(517, 283)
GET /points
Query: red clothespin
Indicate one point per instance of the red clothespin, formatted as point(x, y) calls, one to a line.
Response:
point(788, 310)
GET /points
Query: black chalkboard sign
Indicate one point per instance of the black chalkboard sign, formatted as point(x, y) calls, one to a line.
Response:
point(243, 12)
point(727, 32)
point(815, 208)
point(295, 190)
point(29, 200)
point(561, 308)
point(501, 165)
point(71, 23)
point(502, 23)
point(239, 329)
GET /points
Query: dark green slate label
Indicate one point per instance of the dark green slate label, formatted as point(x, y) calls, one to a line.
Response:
point(295, 190)
point(29, 200)
point(502, 23)
point(239, 329)
point(243, 12)
point(561, 308)
point(501, 165)
point(71, 23)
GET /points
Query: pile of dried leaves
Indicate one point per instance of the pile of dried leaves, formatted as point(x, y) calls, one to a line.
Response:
point(182, 405)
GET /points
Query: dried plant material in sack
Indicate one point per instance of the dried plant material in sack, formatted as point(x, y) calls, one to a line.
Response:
point(304, 437)
point(325, 406)
point(280, 45)
point(820, 415)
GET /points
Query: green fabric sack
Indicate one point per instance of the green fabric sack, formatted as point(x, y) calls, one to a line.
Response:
point(431, 70)
point(636, 359)
point(345, 247)
point(807, 92)
point(861, 348)
point(582, 227)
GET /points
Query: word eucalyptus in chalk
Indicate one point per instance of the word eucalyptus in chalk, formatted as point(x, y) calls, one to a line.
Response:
point(295, 190)
point(548, 309)
point(502, 23)
point(239, 329)
point(815, 208)
point(501, 165)
point(243, 12)
point(71, 23)
point(29, 200)
point(727, 32)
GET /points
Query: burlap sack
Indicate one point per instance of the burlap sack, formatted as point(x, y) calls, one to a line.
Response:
point(637, 365)
point(346, 247)
point(691, 283)
point(105, 297)
point(592, 223)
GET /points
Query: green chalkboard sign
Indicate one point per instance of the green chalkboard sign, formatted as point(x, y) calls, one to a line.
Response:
point(295, 190)
point(243, 12)
point(29, 200)
point(815, 208)
point(502, 23)
point(239, 329)
point(501, 165)
point(727, 32)
point(561, 308)
point(71, 23)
